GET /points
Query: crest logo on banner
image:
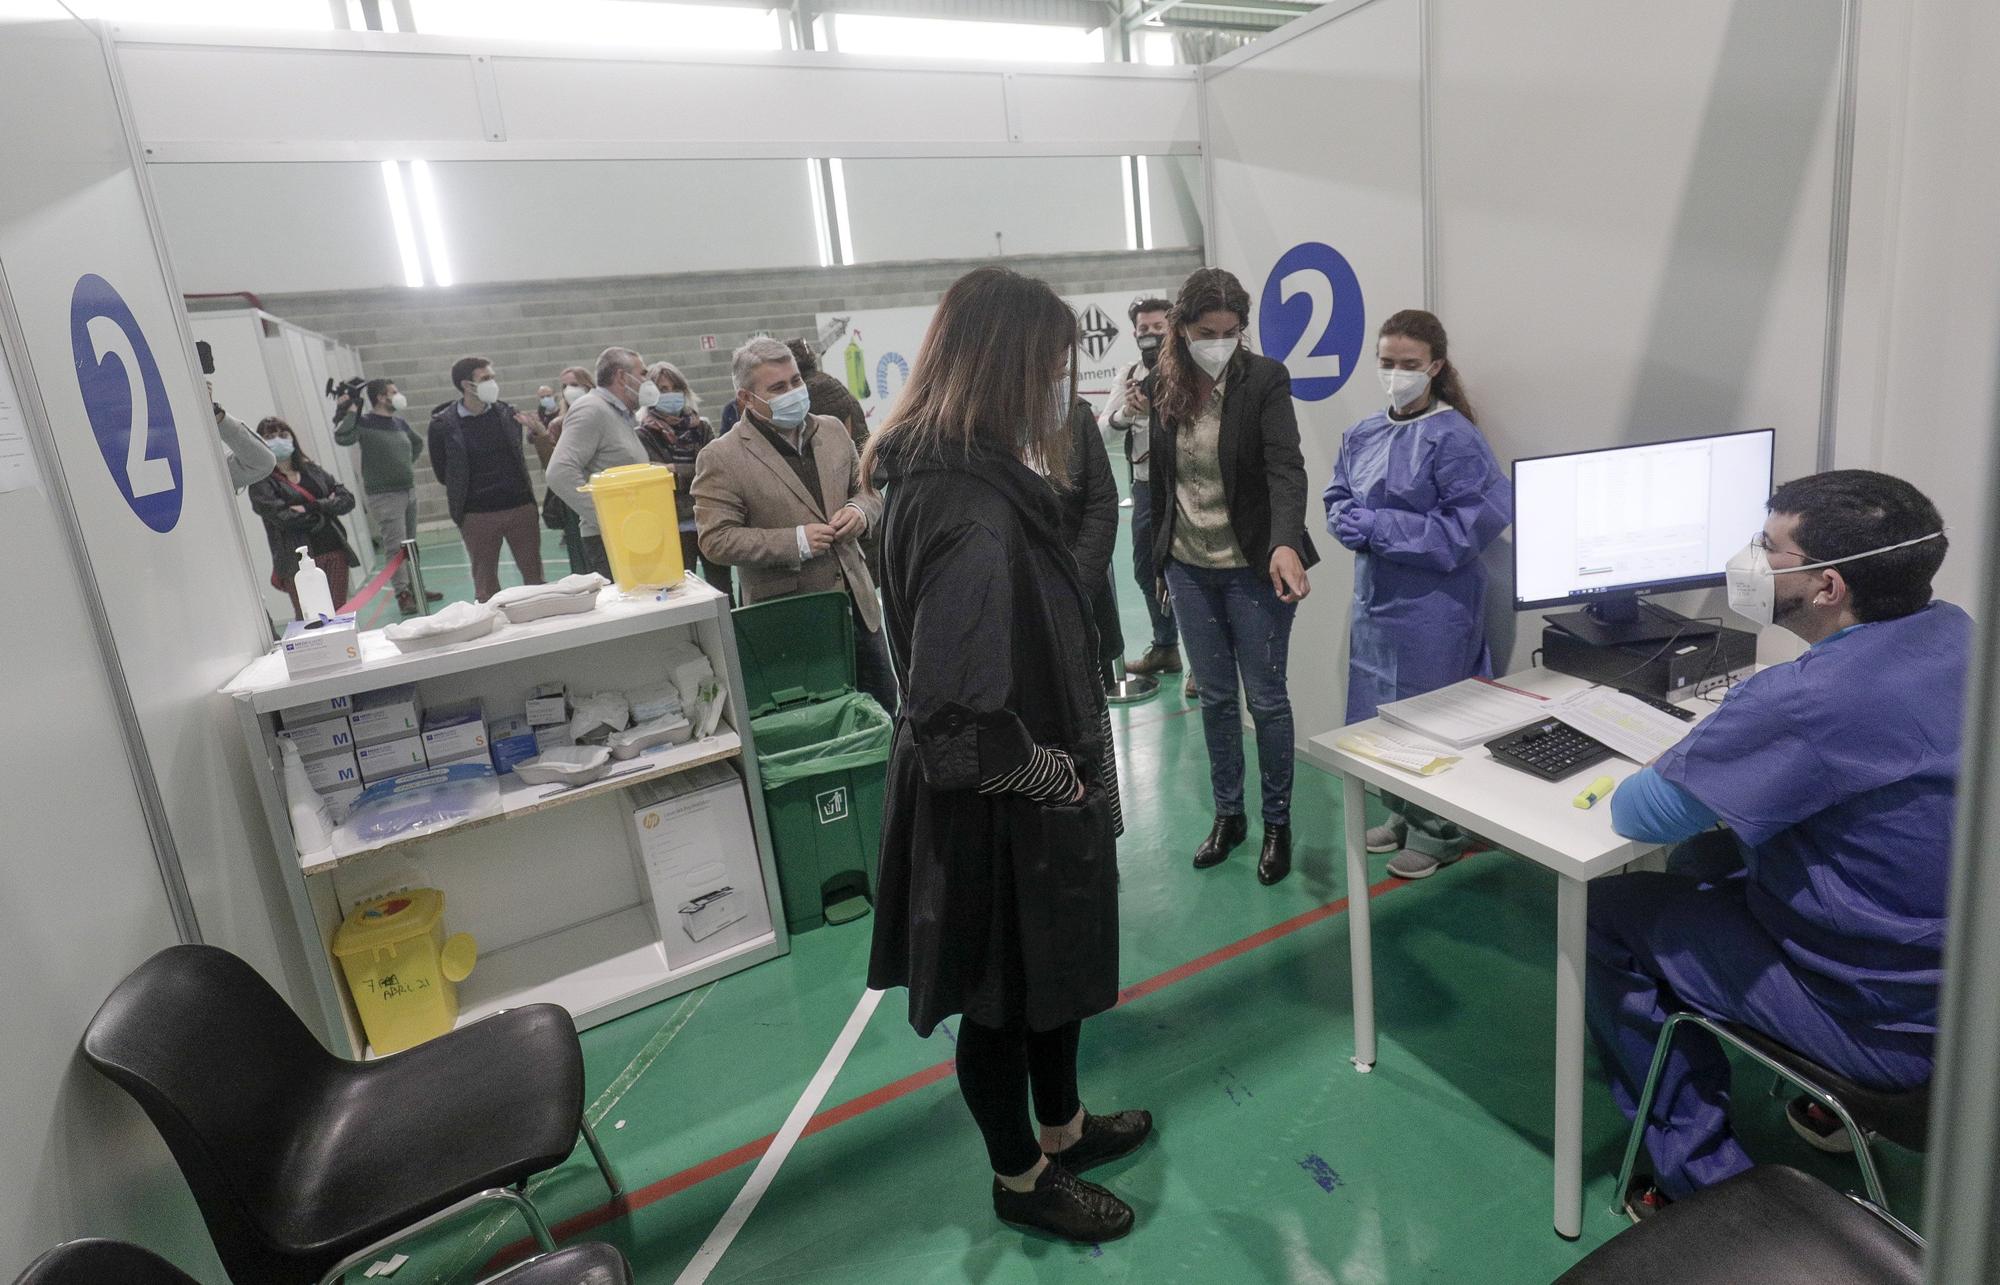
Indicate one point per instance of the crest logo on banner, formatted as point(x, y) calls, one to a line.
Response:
point(1311, 318)
point(1097, 331)
point(126, 402)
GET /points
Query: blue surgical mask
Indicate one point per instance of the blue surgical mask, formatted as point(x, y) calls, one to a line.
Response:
point(672, 403)
point(282, 448)
point(548, 403)
point(788, 410)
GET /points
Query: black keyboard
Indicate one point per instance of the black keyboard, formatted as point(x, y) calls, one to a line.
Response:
point(1550, 750)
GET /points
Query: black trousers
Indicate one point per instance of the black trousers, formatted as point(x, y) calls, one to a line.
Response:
point(997, 1072)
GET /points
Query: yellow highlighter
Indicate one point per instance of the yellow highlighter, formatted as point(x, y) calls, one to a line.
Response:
point(1598, 789)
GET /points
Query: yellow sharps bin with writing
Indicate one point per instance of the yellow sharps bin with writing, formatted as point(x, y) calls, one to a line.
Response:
point(401, 969)
point(639, 524)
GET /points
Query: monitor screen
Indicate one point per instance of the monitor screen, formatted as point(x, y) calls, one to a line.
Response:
point(1667, 515)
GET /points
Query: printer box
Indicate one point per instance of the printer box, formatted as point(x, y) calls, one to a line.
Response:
point(387, 715)
point(333, 772)
point(390, 758)
point(325, 644)
point(300, 715)
point(453, 733)
point(513, 742)
point(697, 855)
point(328, 736)
point(549, 705)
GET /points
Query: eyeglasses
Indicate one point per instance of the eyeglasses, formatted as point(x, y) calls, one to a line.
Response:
point(1762, 541)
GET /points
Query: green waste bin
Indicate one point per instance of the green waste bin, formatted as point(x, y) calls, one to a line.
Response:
point(822, 751)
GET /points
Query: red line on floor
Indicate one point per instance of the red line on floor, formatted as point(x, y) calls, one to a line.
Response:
point(354, 605)
point(750, 1152)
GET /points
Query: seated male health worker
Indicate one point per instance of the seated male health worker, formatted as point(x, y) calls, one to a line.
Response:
point(1417, 495)
point(1817, 918)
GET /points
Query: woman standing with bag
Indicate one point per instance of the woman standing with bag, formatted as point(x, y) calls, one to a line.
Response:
point(1229, 542)
point(998, 895)
point(301, 504)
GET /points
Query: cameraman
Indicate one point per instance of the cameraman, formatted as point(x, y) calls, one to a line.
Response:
point(389, 448)
point(1129, 411)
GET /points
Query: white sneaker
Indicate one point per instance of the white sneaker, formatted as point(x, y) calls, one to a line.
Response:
point(1386, 838)
point(1411, 864)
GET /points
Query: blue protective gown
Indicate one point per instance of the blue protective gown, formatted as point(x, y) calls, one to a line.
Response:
point(1439, 498)
point(1823, 925)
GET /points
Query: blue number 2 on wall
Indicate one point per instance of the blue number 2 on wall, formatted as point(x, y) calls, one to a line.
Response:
point(1311, 319)
point(126, 402)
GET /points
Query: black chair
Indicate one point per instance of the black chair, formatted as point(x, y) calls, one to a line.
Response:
point(588, 1264)
point(100, 1262)
point(1903, 1118)
point(305, 1164)
point(1771, 1225)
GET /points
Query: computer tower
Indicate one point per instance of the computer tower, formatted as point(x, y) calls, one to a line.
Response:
point(1667, 670)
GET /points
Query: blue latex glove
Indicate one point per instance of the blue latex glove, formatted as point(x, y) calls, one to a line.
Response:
point(1355, 527)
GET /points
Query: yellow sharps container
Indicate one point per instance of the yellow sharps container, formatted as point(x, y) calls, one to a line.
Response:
point(401, 969)
point(639, 524)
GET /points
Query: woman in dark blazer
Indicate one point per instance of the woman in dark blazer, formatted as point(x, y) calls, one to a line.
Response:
point(1230, 544)
point(998, 895)
point(301, 504)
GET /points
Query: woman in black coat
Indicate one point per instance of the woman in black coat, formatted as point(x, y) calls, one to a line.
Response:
point(998, 895)
point(1229, 541)
point(301, 504)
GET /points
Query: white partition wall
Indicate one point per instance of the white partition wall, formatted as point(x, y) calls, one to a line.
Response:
point(1315, 173)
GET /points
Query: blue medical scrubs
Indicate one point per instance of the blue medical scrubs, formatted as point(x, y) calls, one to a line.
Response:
point(1439, 498)
point(1822, 924)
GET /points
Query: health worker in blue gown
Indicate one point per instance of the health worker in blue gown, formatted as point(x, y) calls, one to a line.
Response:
point(1417, 495)
point(1817, 917)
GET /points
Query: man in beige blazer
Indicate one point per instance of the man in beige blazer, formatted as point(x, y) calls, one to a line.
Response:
point(779, 497)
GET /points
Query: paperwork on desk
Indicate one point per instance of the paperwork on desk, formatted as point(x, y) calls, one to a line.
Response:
point(1467, 713)
point(1419, 760)
point(1632, 728)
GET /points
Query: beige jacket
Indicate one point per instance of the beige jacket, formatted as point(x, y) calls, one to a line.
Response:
point(749, 504)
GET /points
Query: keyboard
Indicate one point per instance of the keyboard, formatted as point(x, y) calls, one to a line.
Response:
point(1551, 750)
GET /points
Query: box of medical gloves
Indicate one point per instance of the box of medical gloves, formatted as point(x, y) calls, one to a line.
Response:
point(324, 644)
point(453, 733)
point(386, 715)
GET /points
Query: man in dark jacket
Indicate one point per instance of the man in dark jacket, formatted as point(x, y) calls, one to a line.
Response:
point(829, 395)
point(1090, 528)
point(475, 445)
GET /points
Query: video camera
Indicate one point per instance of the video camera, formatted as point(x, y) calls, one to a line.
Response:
point(350, 389)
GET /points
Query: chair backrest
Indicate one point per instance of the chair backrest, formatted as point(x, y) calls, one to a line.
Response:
point(222, 1066)
point(99, 1262)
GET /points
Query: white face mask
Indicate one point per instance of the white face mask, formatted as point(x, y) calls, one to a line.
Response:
point(1752, 589)
point(487, 390)
point(399, 402)
point(573, 393)
point(648, 392)
point(1404, 387)
point(1212, 354)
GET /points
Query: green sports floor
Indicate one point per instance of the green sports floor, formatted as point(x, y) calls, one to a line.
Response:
point(1274, 1159)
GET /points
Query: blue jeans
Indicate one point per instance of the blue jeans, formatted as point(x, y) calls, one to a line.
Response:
point(1164, 635)
point(1663, 942)
point(1236, 626)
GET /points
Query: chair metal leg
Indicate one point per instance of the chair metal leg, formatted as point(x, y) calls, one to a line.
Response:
point(545, 1242)
point(1645, 1110)
point(502, 1195)
point(603, 1161)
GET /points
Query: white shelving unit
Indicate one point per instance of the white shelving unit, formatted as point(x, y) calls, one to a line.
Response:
point(561, 913)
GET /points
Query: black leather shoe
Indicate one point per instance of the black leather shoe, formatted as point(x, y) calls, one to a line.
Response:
point(1064, 1205)
point(1105, 1138)
point(1221, 841)
point(1275, 861)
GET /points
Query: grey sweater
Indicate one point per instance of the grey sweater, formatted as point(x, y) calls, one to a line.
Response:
point(598, 433)
point(250, 458)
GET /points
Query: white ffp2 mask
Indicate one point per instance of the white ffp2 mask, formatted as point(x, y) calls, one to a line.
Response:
point(1404, 387)
point(1212, 354)
point(487, 390)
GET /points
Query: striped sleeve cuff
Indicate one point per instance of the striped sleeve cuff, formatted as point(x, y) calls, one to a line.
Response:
point(1048, 777)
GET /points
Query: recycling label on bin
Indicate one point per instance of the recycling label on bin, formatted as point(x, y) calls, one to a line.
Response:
point(832, 806)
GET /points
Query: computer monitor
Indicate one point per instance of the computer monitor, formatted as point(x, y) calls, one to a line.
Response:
point(1596, 529)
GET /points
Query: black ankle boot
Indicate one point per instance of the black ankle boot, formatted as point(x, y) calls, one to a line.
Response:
point(1275, 861)
point(1221, 841)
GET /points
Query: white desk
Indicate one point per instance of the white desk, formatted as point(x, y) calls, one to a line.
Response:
point(1527, 816)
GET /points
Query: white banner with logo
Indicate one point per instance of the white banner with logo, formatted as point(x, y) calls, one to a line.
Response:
point(873, 350)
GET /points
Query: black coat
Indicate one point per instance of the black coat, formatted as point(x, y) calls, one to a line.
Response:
point(1090, 525)
point(319, 528)
point(1263, 471)
point(990, 905)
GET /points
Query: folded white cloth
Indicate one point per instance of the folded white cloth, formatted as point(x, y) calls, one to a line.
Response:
point(569, 595)
point(570, 765)
point(456, 622)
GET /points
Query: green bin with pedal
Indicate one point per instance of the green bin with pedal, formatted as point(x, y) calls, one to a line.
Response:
point(822, 752)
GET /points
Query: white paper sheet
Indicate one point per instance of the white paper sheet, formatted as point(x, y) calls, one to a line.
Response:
point(1466, 713)
point(1631, 727)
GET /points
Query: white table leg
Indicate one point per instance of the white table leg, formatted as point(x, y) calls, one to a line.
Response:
point(1572, 898)
point(1360, 941)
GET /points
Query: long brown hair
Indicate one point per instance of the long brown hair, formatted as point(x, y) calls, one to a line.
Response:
point(1206, 290)
point(272, 422)
point(987, 374)
point(1425, 328)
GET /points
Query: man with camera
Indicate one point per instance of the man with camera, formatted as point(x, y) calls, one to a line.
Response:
point(367, 414)
point(1129, 411)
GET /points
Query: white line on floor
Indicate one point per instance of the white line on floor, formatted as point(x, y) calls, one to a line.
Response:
point(740, 1209)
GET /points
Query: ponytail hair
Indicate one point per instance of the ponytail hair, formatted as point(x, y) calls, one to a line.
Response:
point(1425, 328)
